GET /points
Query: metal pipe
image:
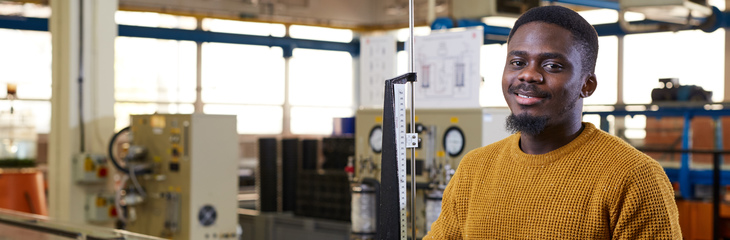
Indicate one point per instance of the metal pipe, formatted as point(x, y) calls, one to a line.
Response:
point(82, 131)
point(411, 68)
point(716, 162)
point(716, 183)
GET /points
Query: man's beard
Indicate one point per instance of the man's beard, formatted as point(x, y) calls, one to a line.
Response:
point(527, 124)
point(534, 125)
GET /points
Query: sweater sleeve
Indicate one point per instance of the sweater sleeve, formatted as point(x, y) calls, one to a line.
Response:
point(448, 225)
point(646, 207)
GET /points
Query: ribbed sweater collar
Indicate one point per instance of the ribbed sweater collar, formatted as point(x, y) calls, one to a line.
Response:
point(542, 159)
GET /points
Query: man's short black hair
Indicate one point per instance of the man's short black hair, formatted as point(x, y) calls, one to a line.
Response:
point(583, 33)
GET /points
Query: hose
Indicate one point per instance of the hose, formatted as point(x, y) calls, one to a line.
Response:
point(118, 199)
point(132, 175)
point(116, 162)
point(111, 150)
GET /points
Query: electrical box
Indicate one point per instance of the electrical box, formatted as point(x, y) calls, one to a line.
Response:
point(90, 168)
point(485, 8)
point(192, 184)
point(100, 208)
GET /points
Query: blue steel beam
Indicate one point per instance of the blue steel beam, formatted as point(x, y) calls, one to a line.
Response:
point(665, 112)
point(685, 183)
point(41, 24)
point(205, 36)
point(701, 177)
point(591, 3)
point(24, 23)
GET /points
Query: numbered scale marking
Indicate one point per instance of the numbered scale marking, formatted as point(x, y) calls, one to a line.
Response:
point(400, 135)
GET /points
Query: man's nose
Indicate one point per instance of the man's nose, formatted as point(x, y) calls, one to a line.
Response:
point(530, 73)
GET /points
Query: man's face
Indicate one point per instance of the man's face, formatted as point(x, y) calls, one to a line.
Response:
point(542, 75)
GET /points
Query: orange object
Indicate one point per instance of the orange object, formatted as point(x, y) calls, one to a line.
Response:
point(695, 219)
point(22, 190)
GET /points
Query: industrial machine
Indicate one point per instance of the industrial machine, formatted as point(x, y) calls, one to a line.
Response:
point(183, 174)
point(672, 91)
point(446, 136)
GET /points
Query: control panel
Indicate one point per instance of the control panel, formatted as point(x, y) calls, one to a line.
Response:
point(188, 176)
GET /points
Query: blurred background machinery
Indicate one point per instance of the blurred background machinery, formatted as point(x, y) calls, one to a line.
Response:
point(303, 187)
point(446, 136)
point(182, 176)
point(672, 91)
point(296, 179)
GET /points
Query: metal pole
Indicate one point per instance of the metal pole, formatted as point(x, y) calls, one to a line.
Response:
point(411, 68)
point(716, 165)
point(715, 195)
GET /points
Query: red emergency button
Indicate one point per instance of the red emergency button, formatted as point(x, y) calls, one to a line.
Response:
point(101, 172)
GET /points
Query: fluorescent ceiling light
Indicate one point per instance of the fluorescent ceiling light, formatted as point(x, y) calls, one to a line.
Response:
point(404, 33)
point(719, 4)
point(499, 21)
point(320, 33)
point(634, 16)
point(600, 16)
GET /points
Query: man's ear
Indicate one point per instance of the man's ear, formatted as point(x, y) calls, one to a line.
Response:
point(589, 86)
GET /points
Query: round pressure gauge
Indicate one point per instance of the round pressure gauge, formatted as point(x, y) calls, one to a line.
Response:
point(376, 139)
point(454, 141)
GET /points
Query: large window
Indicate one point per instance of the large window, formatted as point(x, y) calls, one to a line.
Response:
point(247, 81)
point(26, 62)
point(606, 72)
point(242, 74)
point(244, 80)
point(153, 76)
point(320, 88)
point(493, 57)
point(695, 57)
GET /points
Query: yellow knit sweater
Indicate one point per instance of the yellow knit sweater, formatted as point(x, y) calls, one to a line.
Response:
point(595, 187)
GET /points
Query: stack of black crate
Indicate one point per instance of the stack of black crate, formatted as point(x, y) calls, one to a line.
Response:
point(325, 193)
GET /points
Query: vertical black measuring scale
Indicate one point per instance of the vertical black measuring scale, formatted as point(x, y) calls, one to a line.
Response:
point(392, 211)
point(392, 215)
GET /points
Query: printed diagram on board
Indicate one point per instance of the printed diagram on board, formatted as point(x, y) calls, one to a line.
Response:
point(448, 69)
point(377, 61)
point(445, 76)
point(377, 71)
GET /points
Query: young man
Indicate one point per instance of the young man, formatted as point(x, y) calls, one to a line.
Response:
point(557, 177)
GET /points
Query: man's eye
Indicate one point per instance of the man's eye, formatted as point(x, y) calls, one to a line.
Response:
point(517, 63)
point(552, 67)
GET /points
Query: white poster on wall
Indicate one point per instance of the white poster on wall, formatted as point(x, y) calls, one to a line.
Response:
point(447, 67)
point(377, 64)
